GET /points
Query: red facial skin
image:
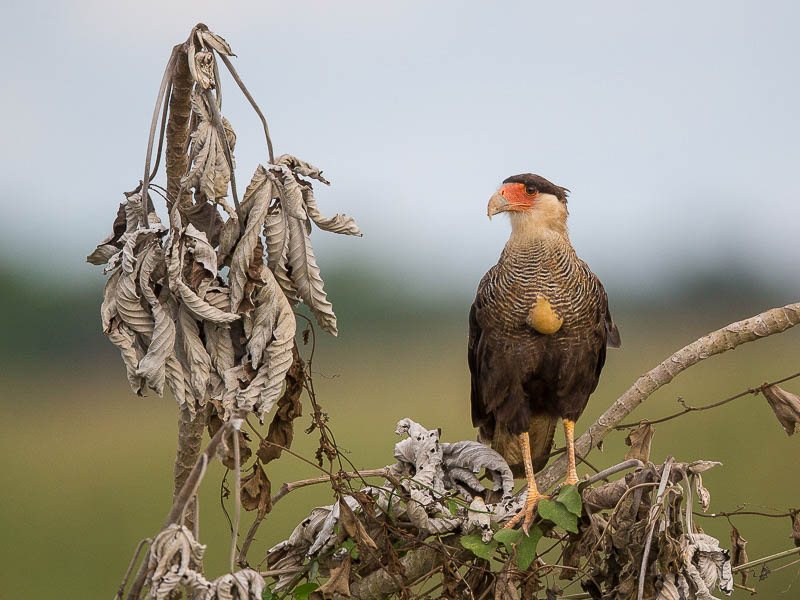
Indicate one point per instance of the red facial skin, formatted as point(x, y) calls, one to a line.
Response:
point(517, 196)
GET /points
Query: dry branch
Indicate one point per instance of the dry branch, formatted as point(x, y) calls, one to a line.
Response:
point(776, 320)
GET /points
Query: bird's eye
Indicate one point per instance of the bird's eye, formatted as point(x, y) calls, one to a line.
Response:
point(530, 190)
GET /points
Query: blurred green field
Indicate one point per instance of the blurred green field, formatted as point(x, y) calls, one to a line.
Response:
point(88, 466)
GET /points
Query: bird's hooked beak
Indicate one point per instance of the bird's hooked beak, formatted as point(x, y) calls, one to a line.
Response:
point(497, 204)
point(510, 196)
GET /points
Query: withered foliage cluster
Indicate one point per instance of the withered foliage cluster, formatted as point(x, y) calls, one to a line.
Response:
point(433, 520)
point(204, 306)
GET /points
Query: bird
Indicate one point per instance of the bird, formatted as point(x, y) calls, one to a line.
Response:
point(538, 331)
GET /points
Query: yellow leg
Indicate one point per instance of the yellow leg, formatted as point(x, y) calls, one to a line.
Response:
point(532, 499)
point(569, 434)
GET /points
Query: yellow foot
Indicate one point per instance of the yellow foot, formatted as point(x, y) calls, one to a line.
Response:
point(571, 480)
point(527, 513)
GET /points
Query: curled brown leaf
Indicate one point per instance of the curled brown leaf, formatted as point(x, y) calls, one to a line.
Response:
point(739, 552)
point(785, 405)
point(256, 491)
point(639, 440)
point(354, 528)
point(338, 583)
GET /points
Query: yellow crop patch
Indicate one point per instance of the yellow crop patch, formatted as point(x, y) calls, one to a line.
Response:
point(543, 318)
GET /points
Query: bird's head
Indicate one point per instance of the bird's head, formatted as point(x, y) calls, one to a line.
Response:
point(532, 202)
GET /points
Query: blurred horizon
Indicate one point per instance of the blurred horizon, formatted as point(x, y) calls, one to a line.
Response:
point(674, 126)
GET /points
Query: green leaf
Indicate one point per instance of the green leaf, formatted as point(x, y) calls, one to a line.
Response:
point(268, 594)
point(453, 506)
point(508, 537)
point(570, 497)
point(526, 547)
point(474, 544)
point(301, 592)
point(351, 548)
point(558, 514)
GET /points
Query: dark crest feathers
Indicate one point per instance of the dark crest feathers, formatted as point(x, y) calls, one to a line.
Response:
point(540, 184)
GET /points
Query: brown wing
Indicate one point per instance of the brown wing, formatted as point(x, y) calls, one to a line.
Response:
point(522, 380)
point(481, 417)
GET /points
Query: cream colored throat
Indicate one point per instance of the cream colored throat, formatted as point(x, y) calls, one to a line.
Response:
point(547, 216)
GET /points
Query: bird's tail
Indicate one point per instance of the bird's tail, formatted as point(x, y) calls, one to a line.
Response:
point(541, 431)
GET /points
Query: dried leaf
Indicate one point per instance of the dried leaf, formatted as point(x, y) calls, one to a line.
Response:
point(173, 372)
point(338, 583)
point(259, 193)
point(276, 233)
point(301, 167)
point(270, 303)
point(217, 42)
point(102, 253)
point(201, 309)
point(201, 249)
point(262, 393)
point(281, 429)
point(291, 194)
point(125, 339)
point(703, 495)
point(339, 223)
point(201, 66)
point(129, 305)
point(639, 440)
point(111, 245)
point(246, 584)
point(355, 528)
point(785, 405)
point(256, 491)
point(197, 364)
point(210, 172)
point(173, 553)
point(133, 210)
point(162, 345)
point(108, 308)
point(152, 262)
point(739, 552)
point(226, 451)
point(306, 276)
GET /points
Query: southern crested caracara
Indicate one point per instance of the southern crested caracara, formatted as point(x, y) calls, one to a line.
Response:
point(538, 332)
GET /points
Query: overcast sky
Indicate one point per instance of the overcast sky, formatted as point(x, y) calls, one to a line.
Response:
point(675, 126)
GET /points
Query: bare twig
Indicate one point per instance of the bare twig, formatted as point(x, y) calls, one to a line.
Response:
point(121, 589)
point(237, 495)
point(794, 562)
point(246, 92)
point(290, 487)
point(688, 409)
point(628, 464)
point(792, 512)
point(162, 131)
point(166, 81)
point(766, 559)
